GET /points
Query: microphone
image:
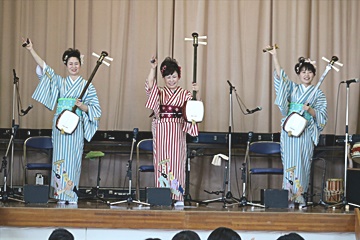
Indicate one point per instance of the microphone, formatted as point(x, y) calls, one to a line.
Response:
point(135, 132)
point(230, 84)
point(254, 110)
point(15, 77)
point(355, 80)
point(27, 110)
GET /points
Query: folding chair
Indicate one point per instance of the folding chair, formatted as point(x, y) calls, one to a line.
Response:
point(147, 146)
point(265, 151)
point(43, 145)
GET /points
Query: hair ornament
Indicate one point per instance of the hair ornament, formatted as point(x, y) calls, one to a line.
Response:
point(163, 69)
point(81, 59)
point(65, 58)
point(311, 62)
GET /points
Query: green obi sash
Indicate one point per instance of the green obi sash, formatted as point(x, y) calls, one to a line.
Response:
point(298, 107)
point(67, 104)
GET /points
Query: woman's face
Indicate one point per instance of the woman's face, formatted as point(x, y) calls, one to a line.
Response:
point(172, 80)
point(73, 66)
point(306, 76)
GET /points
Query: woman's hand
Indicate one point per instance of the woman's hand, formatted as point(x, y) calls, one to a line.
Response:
point(153, 62)
point(80, 105)
point(27, 43)
point(309, 110)
point(195, 87)
point(272, 51)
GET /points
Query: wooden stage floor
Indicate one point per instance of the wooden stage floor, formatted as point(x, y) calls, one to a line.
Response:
point(96, 214)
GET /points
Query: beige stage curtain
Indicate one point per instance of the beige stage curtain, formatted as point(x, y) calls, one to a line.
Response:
point(132, 31)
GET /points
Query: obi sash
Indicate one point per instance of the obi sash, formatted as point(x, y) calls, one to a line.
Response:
point(168, 111)
point(67, 104)
point(298, 107)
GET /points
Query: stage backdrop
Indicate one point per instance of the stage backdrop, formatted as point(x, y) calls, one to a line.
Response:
point(133, 31)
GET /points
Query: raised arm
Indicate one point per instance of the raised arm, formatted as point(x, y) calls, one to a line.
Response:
point(29, 46)
point(152, 74)
point(275, 59)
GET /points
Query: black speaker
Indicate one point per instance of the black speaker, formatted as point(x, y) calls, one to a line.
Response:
point(352, 188)
point(36, 193)
point(274, 198)
point(158, 196)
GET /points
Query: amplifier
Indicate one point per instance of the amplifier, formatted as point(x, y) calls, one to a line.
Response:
point(327, 140)
point(209, 137)
point(158, 196)
point(274, 198)
point(352, 188)
point(24, 133)
point(243, 138)
point(120, 136)
point(36, 193)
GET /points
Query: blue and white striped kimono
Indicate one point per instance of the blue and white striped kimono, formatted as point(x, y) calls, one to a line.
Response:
point(297, 152)
point(67, 148)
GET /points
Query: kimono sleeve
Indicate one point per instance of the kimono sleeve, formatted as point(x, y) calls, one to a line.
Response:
point(153, 101)
point(92, 117)
point(47, 91)
point(317, 124)
point(283, 89)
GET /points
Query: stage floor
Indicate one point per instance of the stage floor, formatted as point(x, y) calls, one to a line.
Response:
point(97, 214)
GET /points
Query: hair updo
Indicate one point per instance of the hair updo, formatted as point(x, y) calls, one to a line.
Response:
point(304, 64)
point(71, 53)
point(169, 66)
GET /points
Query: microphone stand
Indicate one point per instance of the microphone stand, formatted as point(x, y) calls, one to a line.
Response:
point(7, 192)
point(130, 200)
point(344, 201)
point(227, 176)
point(229, 195)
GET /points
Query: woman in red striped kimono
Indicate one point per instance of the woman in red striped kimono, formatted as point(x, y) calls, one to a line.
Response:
point(169, 127)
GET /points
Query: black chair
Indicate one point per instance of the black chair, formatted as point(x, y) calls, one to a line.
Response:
point(43, 145)
point(265, 151)
point(147, 146)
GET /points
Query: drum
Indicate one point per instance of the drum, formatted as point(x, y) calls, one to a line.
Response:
point(355, 152)
point(334, 190)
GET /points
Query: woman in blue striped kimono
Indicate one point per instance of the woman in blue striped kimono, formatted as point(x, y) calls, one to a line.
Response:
point(297, 152)
point(67, 148)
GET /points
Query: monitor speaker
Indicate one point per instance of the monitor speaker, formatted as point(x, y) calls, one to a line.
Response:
point(158, 196)
point(36, 193)
point(274, 198)
point(352, 188)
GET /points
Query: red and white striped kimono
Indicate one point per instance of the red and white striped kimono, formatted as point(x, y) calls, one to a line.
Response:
point(169, 130)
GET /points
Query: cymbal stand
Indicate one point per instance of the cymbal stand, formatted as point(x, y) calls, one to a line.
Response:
point(344, 202)
point(130, 200)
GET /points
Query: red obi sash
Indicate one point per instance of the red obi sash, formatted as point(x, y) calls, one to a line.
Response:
point(168, 111)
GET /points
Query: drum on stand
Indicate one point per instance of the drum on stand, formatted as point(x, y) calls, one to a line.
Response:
point(334, 190)
point(355, 152)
